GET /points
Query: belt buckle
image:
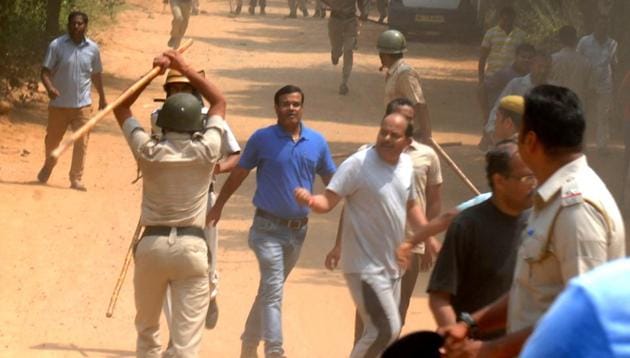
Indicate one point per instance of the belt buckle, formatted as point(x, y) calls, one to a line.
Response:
point(294, 224)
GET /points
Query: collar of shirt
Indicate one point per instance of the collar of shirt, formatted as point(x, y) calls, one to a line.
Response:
point(280, 132)
point(395, 67)
point(83, 42)
point(555, 182)
point(415, 145)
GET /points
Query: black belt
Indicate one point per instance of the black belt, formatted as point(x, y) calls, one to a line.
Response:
point(296, 223)
point(181, 231)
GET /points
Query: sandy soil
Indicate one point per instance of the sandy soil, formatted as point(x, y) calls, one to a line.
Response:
point(61, 250)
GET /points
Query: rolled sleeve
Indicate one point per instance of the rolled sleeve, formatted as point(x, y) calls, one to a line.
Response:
point(580, 240)
point(409, 86)
point(135, 135)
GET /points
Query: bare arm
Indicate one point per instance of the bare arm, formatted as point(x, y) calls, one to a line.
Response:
point(484, 52)
point(433, 193)
point(227, 164)
point(321, 203)
point(440, 305)
point(97, 79)
point(333, 257)
point(206, 88)
point(233, 182)
point(47, 81)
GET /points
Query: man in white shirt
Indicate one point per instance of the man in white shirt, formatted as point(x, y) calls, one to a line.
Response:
point(601, 51)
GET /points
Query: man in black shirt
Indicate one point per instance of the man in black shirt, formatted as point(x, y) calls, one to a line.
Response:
point(476, 263)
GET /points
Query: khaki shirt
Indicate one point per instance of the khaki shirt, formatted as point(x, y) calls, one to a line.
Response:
point(574, 226)
point(402, 81)
point(177, 171)
point(426, 169)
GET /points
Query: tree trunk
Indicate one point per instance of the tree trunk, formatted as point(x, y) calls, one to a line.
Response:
point(52, 17)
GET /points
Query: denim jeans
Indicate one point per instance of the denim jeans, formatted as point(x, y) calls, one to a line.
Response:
point(277, 249)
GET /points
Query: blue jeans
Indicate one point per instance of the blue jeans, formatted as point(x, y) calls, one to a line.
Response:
point(277, 249)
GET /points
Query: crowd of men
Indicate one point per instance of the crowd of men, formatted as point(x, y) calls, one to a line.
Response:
point(506, 257)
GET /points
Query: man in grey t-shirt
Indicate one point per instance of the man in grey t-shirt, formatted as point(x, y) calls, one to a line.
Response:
point(377, 184)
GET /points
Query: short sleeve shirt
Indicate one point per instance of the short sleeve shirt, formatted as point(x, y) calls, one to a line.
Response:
point(72, 67)
point(283, 165)
point(402, 81)
point(176, 171)
point(476, 262)
point(376, 194)
point(602, 56)
point(575, 225)
point(426, 167)
point(502, 47)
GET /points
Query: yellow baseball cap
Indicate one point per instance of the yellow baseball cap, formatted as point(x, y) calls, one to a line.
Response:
point(514, 104)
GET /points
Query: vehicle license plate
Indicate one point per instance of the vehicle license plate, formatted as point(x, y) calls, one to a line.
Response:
point(434, 19)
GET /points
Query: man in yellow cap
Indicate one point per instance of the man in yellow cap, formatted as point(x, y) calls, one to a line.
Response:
point(230, 152)
point(508, 119)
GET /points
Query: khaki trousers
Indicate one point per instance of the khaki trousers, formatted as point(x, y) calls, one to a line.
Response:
point(180, 262)
point(343, 37)
point(181, 14)
point(58, 121)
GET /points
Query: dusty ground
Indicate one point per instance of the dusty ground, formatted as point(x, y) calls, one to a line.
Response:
point(61, 250)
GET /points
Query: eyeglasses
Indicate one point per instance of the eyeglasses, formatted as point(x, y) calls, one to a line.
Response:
point(525, 179)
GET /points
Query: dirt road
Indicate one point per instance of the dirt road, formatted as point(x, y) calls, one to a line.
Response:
point(61, 250)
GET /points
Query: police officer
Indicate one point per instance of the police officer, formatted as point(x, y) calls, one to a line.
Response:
point(176, 172)
point(343, 29)
point(402, 80)
point(230, 153)
point(574, 226)
point(181, 10)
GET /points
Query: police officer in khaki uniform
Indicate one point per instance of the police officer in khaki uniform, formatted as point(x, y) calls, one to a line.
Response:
point(402, 80)
point(230, 153)
point(574, 226)
point(343, 29)
point(177, 171)
point(181, 10)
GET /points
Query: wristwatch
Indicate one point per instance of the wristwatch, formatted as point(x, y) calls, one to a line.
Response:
point(468, 319)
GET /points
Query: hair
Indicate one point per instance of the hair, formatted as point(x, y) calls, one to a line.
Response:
point(498, 160)
point(555, 115)
point(396, 103)
point(408, 129)
point(286, 90)
point(567, 35)
point(72, 15)
point(525, 47)
point(515, 117)
point(507, 11)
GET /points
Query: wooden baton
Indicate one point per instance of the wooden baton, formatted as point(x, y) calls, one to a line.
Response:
point(454, 166)
point(54, 155)
point(123, 272)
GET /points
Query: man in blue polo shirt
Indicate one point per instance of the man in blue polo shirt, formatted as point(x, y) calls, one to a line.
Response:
point(287, 155)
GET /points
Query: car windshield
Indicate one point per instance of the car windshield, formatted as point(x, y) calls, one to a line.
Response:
point(433, 4)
